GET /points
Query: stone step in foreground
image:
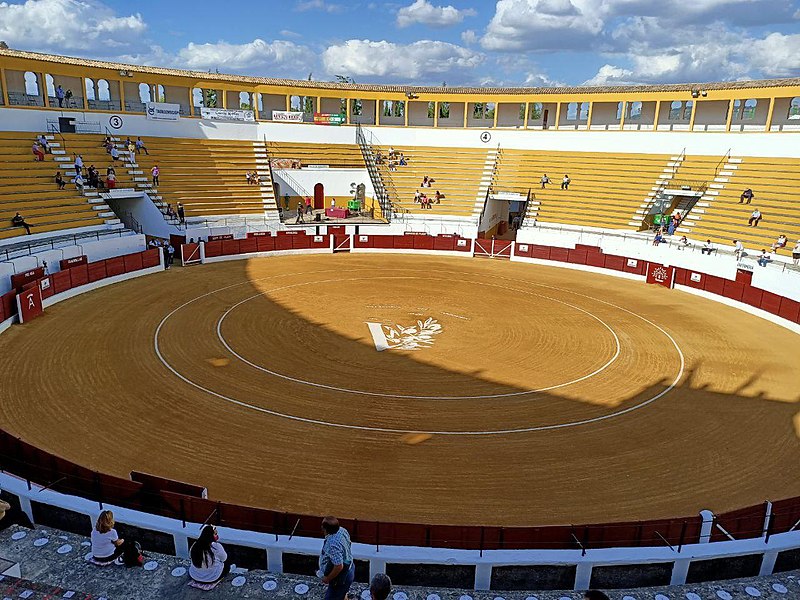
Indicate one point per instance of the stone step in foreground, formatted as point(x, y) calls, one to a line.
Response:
point(56, 562)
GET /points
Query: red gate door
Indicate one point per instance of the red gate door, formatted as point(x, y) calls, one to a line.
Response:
point(319, 196)
point(483, 248)
point(493, 248)
point(502, 249)
point(341, 242)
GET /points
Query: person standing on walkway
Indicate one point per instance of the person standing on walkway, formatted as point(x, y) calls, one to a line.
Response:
point(565, 182)
point(336, 566)
point(155, 172)
point(181, 214)
point(300, 218)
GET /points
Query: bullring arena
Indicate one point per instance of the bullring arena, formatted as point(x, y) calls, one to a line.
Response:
point(549, 396)
point(369, 301)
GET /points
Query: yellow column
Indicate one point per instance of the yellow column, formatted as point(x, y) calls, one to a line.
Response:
point(43, 88)
point(254, 104)
point(121, 95)
point(589, 116)
point(558, 114)
point(622, 114)
point(224, 98)
point(658, 112)
point(466, 112)
point(5, 86)
point(435, 115)
point(347, 108)
point(319, 104)
point(288, 102)
point(191, 102)
point(769, 114)
point(694, 112)
point(729, 118)
point(496, 112)
point(378, 111)
point(405, 112)
point(527, 115)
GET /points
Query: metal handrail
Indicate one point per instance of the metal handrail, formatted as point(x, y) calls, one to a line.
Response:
point(662, 187)
point(51, 128)
point(721, 162)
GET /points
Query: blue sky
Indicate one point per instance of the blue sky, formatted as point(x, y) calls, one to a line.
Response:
point(460, 42)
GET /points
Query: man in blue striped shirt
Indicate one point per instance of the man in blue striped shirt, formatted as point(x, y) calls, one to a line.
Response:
point(336, 564)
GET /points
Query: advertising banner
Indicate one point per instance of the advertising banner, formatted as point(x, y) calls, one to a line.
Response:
point(162, 111)
point(328, 119)
point(228, 114)
point(287, 115)
point(660, 275)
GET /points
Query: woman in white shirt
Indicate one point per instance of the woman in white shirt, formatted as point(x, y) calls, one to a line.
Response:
point(107, 546)
point(209, 560)
point(796, 254)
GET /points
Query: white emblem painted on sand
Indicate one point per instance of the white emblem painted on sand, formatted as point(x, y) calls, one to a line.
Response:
point(414, 337)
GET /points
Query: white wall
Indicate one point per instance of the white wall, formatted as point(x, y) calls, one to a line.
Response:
point(336, 181)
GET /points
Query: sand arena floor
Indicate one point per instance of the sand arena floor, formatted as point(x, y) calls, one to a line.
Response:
point(508, 394)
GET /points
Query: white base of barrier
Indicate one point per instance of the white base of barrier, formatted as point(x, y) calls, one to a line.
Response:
point(215, 259)
point(758, 312)
point(71, 293)
point(575, 267)
point(355, 250)
point(7, 323)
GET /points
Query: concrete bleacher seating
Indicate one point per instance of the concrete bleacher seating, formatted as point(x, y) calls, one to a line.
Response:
point(27, 186)
point(774, 182)
point(463, 175)
point(207, 176)
point(605, 189)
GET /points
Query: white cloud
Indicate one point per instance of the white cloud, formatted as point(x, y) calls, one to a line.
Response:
point(716, 55)
point(469, 37)
point(423, 12)
point(258, 56)
point(69, 25)
point(417, 60)
point(329, 7)
point(543, 24)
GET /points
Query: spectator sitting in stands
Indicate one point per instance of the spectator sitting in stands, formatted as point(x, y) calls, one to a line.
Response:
point(544, 180)
point(140, 146)
point(19, 221)
point(595, 595)
point(43, 143)
point(402, 161)
point(438, 197)
point(755, 217)
point(110, 170)
point(746, 195)
point(391, 152)
point(131, 148)
point(417, 197)
point(107, 546)
point(60, 180)
point(93, 177)
point(256, 179)
point(114, 153)
point(779, 243)
point(79, 183)
point(249, 177)
point(111, 180)
point(658, 239)
point(38, 153)
point(380, 586)
point(738, 249)
point(796, 254)
point(677, 218)
point(12, 516)
point(565, 182)
point(378, 157)
point(683, 243)
point(764, 258)
point(427, 181)
point(209, 561)
point(707, 248)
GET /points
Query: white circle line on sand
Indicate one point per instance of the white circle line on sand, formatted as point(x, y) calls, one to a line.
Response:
point(617, 351)
point(274, 413)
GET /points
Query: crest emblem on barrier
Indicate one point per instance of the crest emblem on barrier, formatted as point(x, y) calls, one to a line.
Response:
point(396, 337)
